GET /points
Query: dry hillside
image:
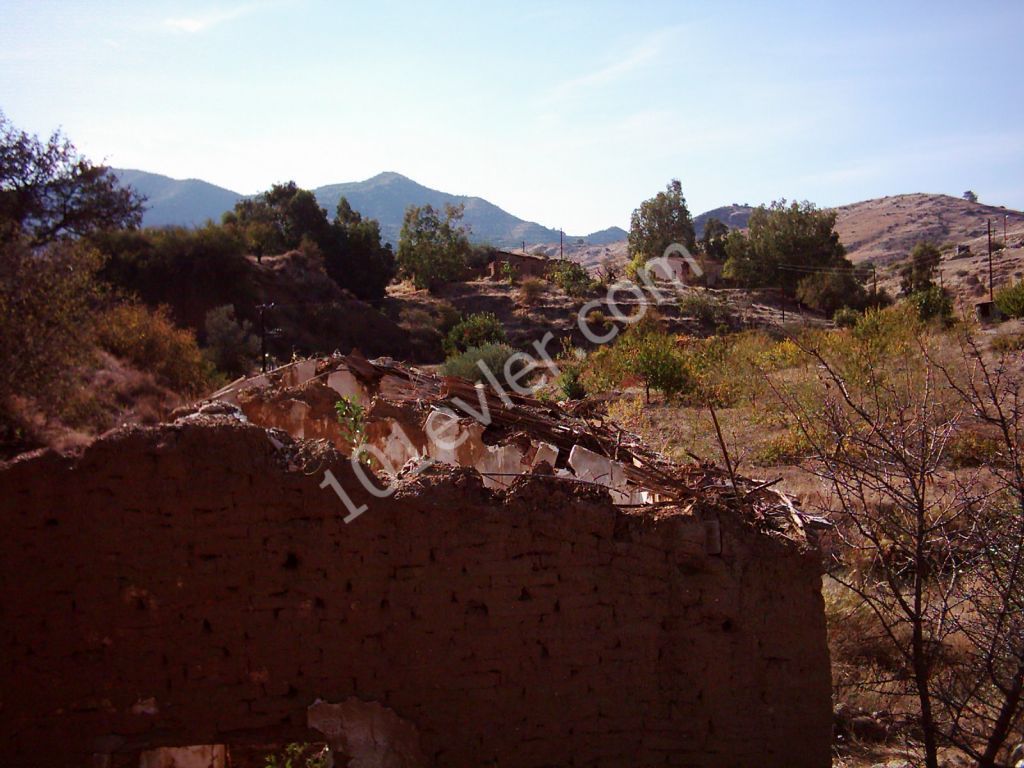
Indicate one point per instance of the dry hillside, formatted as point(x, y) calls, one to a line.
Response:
point(885, 229)
point(882, 230)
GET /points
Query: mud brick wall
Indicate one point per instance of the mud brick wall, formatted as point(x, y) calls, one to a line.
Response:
point(182, 585)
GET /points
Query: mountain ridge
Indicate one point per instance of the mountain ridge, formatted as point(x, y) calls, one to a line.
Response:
point(385, 196)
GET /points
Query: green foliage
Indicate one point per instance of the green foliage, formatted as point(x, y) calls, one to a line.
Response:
point(355, 258)
point(151, 342)
point(297, 755)
point(286, 217)
point(659, 222)
point(642, 352)
point(1010, 300)
point(570, 383)
point(49, 192)
point(432, 250)
point(47, 310)
point(571, 277)
point(919, 273)
point(508, 272)
point(786, 242)
point(466, 365)
point(475, 330)
point(230, 344)
point(829, 291)
point(933, 303)
point(190, 270)
point(709, 309)
point(712, 242)
point(352, 418)
point(845, 317)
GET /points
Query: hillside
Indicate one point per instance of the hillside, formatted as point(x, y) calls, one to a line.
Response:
point(188, 202)
point(384, 197)
point(734, 216)
point(885, 229)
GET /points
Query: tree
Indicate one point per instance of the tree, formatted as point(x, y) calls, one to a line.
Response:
point(658, 223)
point(786, 242)
point(970, 197)
point(278, 219)
point(230, 344)
point(432, 250)
point(919, 273)
point(47, 306)
point(49, 192)
point(828, 291)
point(356, 259)
point(712, 242)
point(936, 557)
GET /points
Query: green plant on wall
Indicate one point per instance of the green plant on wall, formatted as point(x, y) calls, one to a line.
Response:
point(352, 418)
point(297, 755)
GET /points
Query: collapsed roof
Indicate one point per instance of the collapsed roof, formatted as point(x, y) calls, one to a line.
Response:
point(502, 435)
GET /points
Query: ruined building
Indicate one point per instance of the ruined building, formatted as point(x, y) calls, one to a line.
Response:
point(541, 591)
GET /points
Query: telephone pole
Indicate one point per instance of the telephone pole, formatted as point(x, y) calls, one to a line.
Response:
point(561, 239)
point(991, 296)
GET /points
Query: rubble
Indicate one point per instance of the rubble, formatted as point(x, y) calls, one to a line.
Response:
point(411, 416)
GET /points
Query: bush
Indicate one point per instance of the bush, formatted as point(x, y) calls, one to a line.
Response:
point(150, 341)
point(531, 290)
point(1010, 300)
point(829, 291)
point(707, 308)
point(475, 330)
point(933, 304)
point(46, 316)
point(846, 317)
point(571, 278)
point(230, 344)
point(571, 383)
point(466, 365)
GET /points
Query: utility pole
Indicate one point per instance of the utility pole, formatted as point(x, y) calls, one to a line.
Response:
point(262, 324)
point(524, 246)
point(1006, 243)
point(561, 239)
point(991, 296)
point(874, 280)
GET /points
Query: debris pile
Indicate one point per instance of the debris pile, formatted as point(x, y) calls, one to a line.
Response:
point(408, 418)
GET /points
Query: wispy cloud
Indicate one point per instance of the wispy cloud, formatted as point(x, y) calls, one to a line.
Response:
point(647, 51)
point(203, 21)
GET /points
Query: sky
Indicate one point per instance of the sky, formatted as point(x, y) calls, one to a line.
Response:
point(564, 113)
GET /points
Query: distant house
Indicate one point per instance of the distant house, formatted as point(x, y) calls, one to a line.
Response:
point(523, 265)
point(962, 252)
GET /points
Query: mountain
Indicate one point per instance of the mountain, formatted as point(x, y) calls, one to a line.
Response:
point(188, 202)
point(384, 197)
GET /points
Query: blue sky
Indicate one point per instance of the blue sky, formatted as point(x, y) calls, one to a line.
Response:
point(568, 114)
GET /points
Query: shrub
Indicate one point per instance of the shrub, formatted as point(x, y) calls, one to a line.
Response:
point(933, 304)
point(1010, 300)
point(466, 365)
point(150, 341)
point(707, 308)
point(531, 290)
point(351, 419)
point(828, 291)
point(475, 330)
point(846, 317)
point(571, 278)
point(46, 316)
point(230, 344)
point(1011, 342)
point(571, 383)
